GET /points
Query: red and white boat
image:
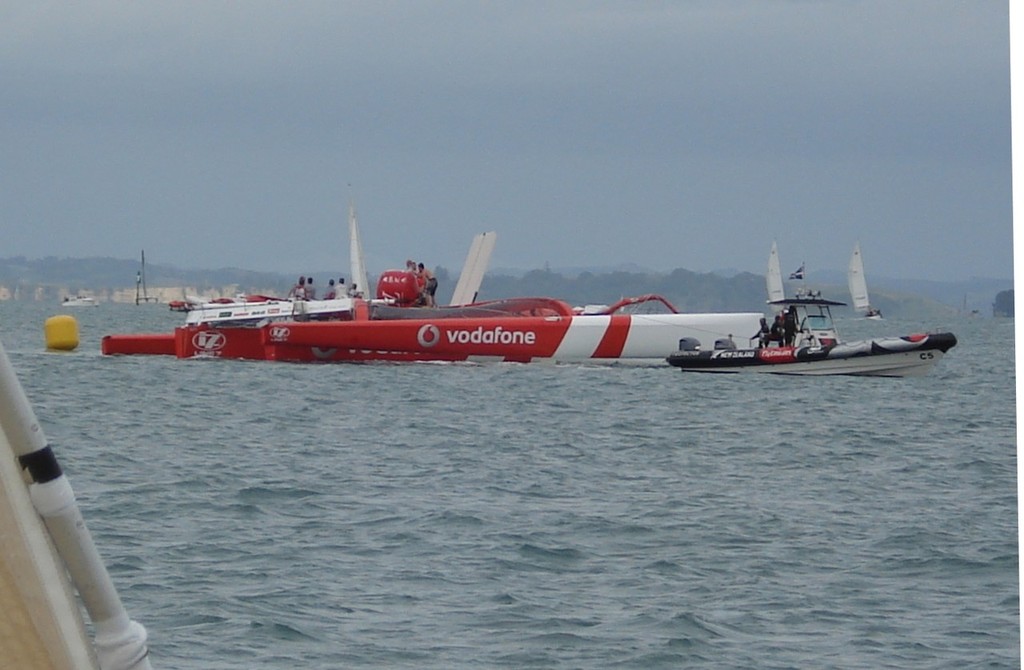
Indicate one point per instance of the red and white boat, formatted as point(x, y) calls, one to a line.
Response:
point(392, 327)
point(640, 330)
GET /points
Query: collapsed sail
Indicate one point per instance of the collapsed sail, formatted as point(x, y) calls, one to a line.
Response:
point(473, 270)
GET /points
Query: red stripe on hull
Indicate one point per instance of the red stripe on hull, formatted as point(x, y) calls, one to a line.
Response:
point(614, 337)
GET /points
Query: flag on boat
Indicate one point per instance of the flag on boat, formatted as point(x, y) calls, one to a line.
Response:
point(799, 274)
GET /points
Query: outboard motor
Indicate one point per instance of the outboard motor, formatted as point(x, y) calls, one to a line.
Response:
point(724, 343)
point(689, 344)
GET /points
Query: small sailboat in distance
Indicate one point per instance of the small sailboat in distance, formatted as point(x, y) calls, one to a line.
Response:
point(141, 295)
point(859, 286)
point(773, 279)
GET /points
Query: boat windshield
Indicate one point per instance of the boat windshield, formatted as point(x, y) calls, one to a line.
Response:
point(818, 321)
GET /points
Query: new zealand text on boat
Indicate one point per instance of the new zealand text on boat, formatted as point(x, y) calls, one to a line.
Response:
point(817, 350)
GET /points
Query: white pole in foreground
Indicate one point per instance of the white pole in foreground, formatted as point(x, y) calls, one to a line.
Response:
point(120, 642)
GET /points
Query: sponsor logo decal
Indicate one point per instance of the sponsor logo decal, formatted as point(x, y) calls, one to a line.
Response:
point(496, 335)
point(775, 355)
point(684, 353)
point(428, 335)
point(739, 353)
point(209, 341)
point(279, 334)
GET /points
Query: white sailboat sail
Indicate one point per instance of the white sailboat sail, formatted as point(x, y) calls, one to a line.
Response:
point(357, 267)
point(473, 270)
point(859, 285)
point(774, 276)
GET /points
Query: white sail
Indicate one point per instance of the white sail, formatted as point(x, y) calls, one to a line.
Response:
point(858, 284)
point(774, 277)
point(474, 269)
point(357, 266)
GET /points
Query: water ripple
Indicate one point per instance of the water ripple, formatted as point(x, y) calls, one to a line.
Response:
point(506, 516)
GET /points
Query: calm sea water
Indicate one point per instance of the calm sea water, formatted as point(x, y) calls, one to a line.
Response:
point(268, 515)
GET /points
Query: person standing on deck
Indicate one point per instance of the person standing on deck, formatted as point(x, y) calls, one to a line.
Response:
point(762, 334)
point(777, 331)
point(789, 325)
point(429, 285)
point(298, 292)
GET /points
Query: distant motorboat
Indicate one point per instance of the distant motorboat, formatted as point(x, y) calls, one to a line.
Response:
point(185, 305)
point(80, 301)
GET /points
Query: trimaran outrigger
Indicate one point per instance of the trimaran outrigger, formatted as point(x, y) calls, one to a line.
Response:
point(390, 327)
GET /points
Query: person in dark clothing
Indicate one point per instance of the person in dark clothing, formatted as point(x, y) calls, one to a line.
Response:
point(776, 333)
point(762, 334)
point(789, 325)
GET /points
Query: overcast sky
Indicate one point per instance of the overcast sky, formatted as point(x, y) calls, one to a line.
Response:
point(663, 134)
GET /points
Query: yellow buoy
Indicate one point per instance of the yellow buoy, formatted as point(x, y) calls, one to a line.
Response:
point(61, 333)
